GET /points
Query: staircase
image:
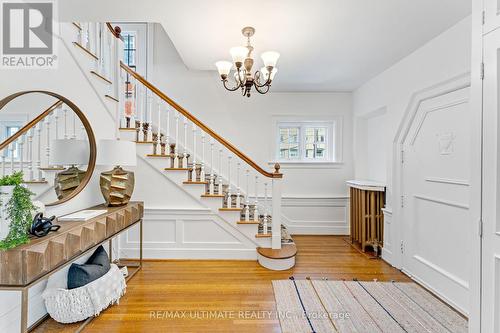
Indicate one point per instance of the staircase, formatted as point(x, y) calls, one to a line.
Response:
point(191, 155)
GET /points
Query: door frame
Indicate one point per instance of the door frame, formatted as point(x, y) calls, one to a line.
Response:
point(397, 258)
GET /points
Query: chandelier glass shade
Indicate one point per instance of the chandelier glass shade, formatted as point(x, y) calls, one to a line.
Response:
point(243, 62)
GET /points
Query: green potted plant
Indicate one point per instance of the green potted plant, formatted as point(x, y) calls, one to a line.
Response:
point(16, 209)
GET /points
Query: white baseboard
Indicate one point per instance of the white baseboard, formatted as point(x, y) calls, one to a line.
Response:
point(194, 254)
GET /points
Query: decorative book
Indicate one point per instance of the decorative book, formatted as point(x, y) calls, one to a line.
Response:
point(83, 215)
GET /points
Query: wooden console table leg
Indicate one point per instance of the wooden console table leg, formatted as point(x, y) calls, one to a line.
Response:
point(24, 310)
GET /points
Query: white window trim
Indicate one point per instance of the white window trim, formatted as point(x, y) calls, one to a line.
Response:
point(334, 141)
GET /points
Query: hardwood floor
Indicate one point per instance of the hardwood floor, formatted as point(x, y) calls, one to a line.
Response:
point(240, 292)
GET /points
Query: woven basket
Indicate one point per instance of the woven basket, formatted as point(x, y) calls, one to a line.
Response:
point(73, 305)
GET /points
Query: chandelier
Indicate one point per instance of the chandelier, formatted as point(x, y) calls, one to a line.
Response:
point(243, 61)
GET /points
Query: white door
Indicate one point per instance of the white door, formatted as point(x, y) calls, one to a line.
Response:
point(490, 313)
point(491, 15)
point(436, 185)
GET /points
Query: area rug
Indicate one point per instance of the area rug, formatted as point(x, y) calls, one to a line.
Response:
point(356, 306)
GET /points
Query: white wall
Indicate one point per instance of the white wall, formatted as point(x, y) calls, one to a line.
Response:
point(380, 104)
point(69, 81)
point(248, 124)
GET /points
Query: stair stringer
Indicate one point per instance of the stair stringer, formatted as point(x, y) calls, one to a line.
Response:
point(262, 242)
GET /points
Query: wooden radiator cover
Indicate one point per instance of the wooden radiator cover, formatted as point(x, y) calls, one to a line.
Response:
point(366, 217)
point(24, 264)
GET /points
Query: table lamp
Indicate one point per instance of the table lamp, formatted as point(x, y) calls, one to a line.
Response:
point(69, 153)
point(117, 185)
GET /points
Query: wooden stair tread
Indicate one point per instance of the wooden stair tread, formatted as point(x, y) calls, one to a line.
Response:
point(35, 182)
point(176, 169)
point(112, 98)
point(248, 222)
point(127, 129)
point(229, 209)
point(158, 155)
point(286, 251)
point(212, 195)
point(52, 168)
point(268, 235)
point(105, 79)
point(144, 142)
point(187, 182)
point(84, 49)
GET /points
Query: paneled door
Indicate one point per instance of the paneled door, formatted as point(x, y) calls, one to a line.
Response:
point(490, 312)
point(491, 15)
point(435, 204)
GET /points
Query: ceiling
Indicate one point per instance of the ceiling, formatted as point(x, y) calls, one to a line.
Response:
point(325, 45)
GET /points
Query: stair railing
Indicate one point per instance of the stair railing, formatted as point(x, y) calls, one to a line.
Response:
point(28, 150)
point(142, 99)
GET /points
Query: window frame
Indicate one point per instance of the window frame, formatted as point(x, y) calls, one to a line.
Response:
point(333, 141)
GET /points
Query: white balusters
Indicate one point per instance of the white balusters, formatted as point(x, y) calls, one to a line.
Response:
point(256, 200)
point(30, 154)
point(176, 147)
point(150, 117)
point(212, 180)
point(264, 224)
point(247, 201)
point(219, 189)
point(12, 150)
point(39, 149)
point(229, 199)
point(185, 155)
point(193, 177)
point(21, 153)
point(238, 189)
point(158, 139)
point(47, 148)
point(202, 168)
point(140, 107)
point(56, 120)
point(74, 126)
point(3, 164)
point(65, 117)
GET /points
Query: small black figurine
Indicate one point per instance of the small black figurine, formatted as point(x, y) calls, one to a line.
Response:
point(41, 226)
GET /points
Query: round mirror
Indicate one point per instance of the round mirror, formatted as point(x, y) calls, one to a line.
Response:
point(46, 138)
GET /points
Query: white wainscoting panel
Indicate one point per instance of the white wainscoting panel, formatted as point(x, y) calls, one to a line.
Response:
point(187, 234)
point(316, 216)
point(388, 247)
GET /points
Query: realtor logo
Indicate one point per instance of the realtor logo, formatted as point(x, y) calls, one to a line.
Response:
point(27, 34)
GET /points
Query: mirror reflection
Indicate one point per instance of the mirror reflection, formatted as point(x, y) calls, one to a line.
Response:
point(44, 138)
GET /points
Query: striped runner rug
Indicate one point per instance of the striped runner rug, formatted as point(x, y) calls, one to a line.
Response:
point(356, 306)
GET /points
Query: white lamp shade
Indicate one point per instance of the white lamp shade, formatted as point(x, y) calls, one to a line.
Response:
point(270, 58)
point(238, 53)
point(69, 152)
point(224, 67)
point(116, 153)
point(265, 73)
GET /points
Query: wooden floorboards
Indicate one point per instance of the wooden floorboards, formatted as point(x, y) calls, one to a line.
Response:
point(238, 289)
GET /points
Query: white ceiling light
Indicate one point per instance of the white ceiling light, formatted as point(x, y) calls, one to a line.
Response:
point(243, 61)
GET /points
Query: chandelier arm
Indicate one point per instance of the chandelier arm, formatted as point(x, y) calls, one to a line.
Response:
point(257, 80)
point(230, 89)
point(261, 91)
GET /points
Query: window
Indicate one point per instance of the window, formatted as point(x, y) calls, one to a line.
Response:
point(9, 125)
point(129, 49)
point(308, 141)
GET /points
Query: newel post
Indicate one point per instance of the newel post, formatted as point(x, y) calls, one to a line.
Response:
point(276, 206)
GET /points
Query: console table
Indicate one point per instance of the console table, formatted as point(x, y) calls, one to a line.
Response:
point(28, 264)
point(367, 199)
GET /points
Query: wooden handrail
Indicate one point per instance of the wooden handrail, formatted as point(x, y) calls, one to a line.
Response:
point(205, 128)
point(29, 125)
point(116, 31)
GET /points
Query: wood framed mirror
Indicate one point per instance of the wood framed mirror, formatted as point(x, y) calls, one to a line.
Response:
point(48, 138)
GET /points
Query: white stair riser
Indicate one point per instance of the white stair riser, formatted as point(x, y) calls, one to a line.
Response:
point(276, 264)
